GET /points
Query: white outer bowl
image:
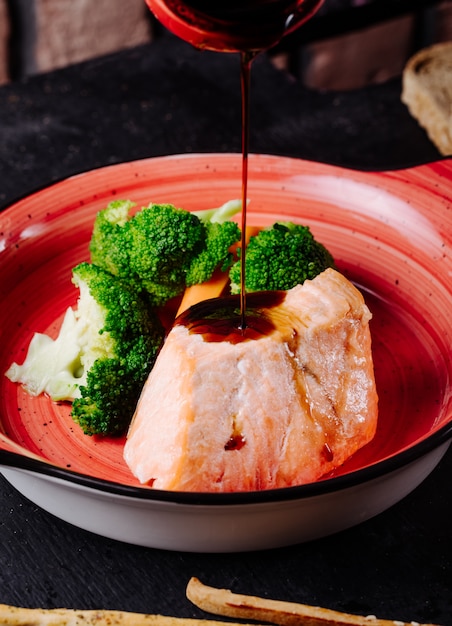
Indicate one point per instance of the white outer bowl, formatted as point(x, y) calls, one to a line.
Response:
point(228, 527)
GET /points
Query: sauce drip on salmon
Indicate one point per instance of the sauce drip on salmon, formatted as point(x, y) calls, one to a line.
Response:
point(220, 319)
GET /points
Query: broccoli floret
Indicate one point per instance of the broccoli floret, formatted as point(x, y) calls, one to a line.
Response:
point(220, 235)
point(108, 240)
point(102, 356)
point(279, 258)
point(123, 336)
point(162, 249)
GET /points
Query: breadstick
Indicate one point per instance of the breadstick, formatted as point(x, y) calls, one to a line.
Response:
point(238, 606)
point(15, 616)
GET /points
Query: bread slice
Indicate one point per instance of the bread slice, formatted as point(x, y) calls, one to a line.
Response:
point(427, 92)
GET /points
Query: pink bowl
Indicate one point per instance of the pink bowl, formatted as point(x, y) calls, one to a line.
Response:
point(390, 233)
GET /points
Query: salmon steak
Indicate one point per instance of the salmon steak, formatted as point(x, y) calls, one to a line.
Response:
point(279, 404)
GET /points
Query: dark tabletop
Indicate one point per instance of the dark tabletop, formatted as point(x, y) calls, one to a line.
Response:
point(167, 98)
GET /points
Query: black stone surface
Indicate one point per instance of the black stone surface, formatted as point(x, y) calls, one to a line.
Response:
point(168, 98)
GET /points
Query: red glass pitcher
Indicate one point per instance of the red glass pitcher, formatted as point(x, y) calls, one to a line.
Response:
point(232, 25)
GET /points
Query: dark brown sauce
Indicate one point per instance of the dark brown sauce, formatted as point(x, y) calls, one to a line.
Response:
point(236, 442)
point(327, 453)
point(219, 319)
point(245, 65)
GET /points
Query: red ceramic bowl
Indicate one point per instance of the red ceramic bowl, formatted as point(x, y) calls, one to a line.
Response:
point(390, 233)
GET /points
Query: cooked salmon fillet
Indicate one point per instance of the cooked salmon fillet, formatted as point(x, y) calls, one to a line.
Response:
point(280, 410)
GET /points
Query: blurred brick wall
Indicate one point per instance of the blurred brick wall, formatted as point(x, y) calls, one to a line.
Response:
point(4, 35)
point(48, 34)
point(444, 23)
point(54, 33)
point(340, 63)
point(69, 31)
point(372, 55)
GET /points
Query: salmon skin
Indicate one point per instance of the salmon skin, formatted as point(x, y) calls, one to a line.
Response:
point(280, 410)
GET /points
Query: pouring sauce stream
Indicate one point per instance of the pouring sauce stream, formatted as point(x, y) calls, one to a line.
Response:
point(246, 27)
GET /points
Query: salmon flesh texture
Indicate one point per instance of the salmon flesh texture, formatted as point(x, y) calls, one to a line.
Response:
point(297, 402)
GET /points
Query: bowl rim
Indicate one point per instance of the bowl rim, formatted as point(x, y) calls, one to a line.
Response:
point(47, 470)
point(236, 155)
point(443, 435)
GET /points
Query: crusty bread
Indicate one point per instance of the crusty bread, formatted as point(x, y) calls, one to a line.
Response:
point(427, 92)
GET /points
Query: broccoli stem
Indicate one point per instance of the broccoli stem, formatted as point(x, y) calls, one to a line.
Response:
point(220, 214)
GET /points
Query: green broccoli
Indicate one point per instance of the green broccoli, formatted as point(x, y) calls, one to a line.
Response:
point(162, 249)
point(279, 258)
point(108, 246)
point(102, 356)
